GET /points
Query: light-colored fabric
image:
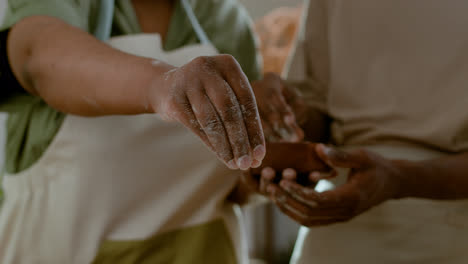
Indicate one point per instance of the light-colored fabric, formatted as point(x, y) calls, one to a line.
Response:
point(190, 243)
point(409, 231)
point(33, 124)
point(73, 12)
point(118, 178)
point(388, 71)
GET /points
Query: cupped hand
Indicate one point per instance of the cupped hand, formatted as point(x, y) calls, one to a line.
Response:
point(278, 104)
point(372, 180)
point(213, 98)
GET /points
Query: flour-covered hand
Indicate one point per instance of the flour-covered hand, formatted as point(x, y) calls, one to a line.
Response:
point(213, 98)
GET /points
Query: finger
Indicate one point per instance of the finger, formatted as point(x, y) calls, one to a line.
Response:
point(301, 212)
point(228, 109)
point(187, 118)
point(266, 178)
point(341, 159)
point(300, 193)
point(296, 101)
point(256, 163)
point(212, 126)
point(288, 119)
point(317, 176)
point(342, 196)
point(243, 91)
point(275, 114)
point(270, 134)
point(276, 195)
point(289, 174)
point(347, 194)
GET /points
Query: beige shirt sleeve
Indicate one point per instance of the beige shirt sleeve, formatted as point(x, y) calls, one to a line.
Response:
point(307, 68)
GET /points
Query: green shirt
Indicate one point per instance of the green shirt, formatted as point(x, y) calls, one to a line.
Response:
point(32, 124)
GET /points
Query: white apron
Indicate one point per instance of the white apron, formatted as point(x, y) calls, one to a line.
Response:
point(116, 186)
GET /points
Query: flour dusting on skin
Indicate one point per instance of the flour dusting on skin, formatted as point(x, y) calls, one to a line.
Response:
point(214, 133)
point(242, 84)
point(169, 74)
point(91, 102)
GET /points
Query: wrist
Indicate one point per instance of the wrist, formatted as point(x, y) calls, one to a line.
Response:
point(158, 88)
point(408, 177)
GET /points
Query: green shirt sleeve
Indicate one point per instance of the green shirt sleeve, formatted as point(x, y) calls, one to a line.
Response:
point(228, 27)
point(70, 11)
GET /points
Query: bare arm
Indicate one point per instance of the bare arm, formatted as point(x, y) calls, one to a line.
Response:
point(75, 73)
point(372, 180)
point(443, 178)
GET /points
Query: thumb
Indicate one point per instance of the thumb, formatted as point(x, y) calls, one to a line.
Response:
point(341, 159)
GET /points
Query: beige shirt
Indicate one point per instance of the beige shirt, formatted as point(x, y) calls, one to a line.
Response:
point(388, 71)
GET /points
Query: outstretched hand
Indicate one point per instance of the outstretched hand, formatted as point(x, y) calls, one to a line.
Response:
point(372, 180)
point(213, 98)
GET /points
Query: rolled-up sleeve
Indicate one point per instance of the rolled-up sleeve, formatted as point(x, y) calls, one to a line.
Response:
point(67, 10)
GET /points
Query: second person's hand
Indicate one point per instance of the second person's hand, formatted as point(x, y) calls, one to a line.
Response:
point(372, 180)
point(279, 105)
point(213, 98)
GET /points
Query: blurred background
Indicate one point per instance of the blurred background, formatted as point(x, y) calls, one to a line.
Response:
point(271, 234)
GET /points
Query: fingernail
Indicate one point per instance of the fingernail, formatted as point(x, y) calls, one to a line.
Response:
point(268, 173)
point(290, 119)
point(232, 165)
point(314, 175)
point(256, 163)
point(289, 174)
point(259, 152)
point(326, 150)
point(244, 162)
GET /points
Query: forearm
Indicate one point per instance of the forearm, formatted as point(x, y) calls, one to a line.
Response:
point(75, 73)
point(444, 178)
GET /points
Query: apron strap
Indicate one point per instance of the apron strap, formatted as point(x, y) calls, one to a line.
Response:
point(195, 23)
point(106, 15)
point(105, 19)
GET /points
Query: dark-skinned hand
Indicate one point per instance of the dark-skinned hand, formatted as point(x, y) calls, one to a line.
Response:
point(280, 107)
point(372, 180)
